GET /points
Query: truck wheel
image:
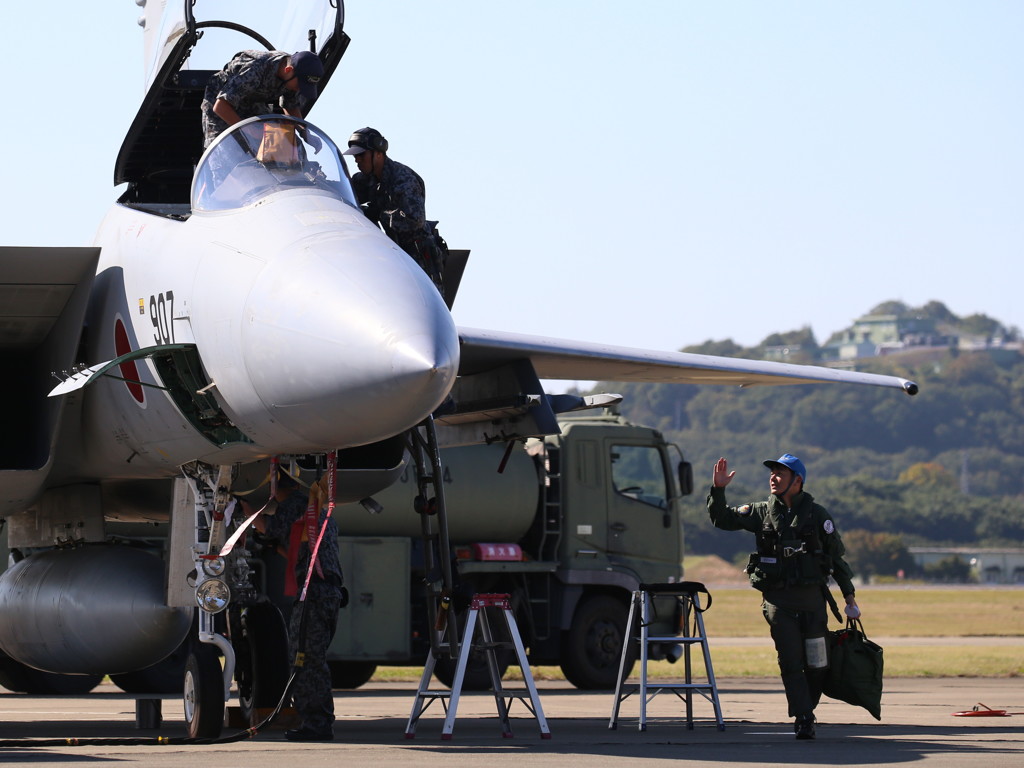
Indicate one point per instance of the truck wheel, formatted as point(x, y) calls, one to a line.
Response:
point(592, 647)
point(261, 667)
point(350, 674)
point(477, 677)
point(204, 693)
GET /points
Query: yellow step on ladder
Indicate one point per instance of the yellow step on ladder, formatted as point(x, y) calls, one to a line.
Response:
point(690, 632)
point(450, 699)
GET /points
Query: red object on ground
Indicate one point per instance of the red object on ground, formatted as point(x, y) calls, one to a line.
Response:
point(986, 712)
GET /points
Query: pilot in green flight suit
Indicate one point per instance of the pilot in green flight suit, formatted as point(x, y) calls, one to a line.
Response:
point(798, 548)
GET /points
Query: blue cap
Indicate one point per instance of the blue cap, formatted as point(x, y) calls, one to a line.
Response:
point(308, 69)
point(790, 462)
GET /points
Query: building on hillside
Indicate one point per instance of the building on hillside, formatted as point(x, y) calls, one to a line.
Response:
point(987, 565)
point(875, 335)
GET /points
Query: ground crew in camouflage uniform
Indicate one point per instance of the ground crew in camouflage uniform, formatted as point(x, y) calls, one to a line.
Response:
point(393, 196)
point(798, 548)
point(256, 83)
point(311, 690)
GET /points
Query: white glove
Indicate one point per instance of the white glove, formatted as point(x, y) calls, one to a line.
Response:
point(852, 611)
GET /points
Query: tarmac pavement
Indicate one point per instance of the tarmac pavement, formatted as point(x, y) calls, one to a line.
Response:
point(917, 726)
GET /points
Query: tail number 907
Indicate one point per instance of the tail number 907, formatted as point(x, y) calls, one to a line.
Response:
point(161, 310)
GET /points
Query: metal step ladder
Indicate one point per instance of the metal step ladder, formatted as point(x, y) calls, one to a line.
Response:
point(450, 699)
point(691, 633)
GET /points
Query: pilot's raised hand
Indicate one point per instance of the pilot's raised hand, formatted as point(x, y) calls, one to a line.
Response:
point(721, 476)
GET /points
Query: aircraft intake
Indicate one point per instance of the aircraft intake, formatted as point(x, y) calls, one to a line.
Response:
point(97, 609)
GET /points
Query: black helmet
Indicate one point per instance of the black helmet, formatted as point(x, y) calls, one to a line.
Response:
point(364, 139)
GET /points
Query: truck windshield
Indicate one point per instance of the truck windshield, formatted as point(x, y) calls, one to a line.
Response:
point(265, 155)
point(638, 473)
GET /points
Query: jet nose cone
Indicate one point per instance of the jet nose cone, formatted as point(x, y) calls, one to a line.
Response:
point(347, 350)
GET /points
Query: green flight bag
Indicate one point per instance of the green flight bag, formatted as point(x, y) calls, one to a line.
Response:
point(855, 668)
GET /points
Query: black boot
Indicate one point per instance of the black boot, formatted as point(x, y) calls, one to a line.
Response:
point(804, 726)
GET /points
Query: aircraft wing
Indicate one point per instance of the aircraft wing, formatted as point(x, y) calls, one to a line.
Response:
point(582, 361)
point(499, 395)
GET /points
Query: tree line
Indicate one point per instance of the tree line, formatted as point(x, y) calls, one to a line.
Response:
point(943, 468)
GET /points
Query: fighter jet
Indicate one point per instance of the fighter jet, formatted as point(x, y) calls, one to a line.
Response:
point(236, 305)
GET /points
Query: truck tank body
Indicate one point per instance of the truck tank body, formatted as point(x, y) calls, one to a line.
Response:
point(91, 610)
point(482, 504)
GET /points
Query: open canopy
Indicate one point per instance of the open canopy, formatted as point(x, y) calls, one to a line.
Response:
point(165, 141)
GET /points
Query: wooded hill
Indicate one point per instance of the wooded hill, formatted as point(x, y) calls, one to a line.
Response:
point(945, 467)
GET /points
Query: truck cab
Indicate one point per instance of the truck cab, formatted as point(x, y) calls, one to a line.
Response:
point(619, 501)
point(615, 493)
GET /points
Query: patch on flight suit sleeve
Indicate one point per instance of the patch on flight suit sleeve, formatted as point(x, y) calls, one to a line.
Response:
point(744, 510)
point(829, 526)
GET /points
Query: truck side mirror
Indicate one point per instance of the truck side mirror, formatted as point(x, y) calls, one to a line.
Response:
point(685, 478)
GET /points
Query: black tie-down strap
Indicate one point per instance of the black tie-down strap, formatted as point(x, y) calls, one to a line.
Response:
point(832, 603)
point(680, 589)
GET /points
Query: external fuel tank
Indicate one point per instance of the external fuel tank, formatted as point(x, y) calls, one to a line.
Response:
point(482, 504)
point(97, 609)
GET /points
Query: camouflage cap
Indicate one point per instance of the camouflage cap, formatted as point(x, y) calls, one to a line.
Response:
point(308, 69)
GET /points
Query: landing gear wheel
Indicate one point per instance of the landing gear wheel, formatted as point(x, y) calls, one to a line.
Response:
point(204, 693)
point(592, 647)
point(261, 666)
point(350, 674)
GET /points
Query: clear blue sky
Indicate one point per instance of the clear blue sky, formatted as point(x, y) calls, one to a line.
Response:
point(643, 173)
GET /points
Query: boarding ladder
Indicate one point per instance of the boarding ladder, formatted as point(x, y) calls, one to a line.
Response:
point(439, 579)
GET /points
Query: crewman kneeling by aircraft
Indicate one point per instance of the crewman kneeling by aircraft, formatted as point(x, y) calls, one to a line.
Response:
point(393, 196)
point(311, 628)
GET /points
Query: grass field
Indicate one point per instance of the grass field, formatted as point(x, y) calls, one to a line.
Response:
point(928, 613)
point(891, 612)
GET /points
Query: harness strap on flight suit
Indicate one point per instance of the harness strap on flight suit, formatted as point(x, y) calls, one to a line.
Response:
point(819, 551)
point(776, 547)
point(831, 602)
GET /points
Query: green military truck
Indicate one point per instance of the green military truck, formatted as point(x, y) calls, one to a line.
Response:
point(569, 528)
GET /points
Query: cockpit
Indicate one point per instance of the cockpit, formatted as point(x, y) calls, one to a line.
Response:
point(163, 151)
point(266, 155)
